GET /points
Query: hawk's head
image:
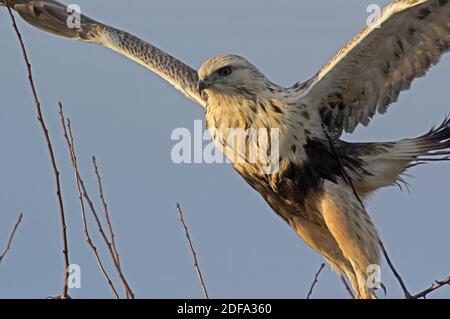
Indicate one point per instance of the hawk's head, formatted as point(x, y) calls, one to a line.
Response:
point(230, 74)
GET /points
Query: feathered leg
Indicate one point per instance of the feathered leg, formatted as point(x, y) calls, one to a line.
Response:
point(353, 230)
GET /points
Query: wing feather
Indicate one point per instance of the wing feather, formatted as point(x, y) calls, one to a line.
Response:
point(52, 16)
point(369, 73)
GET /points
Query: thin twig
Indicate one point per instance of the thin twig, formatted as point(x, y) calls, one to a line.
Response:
point(194, 254)
point(316, 280)
point(105, 208)
point(126, 287)
point(395, 272)
point(11, 237)
point(106, 213)
point(105, 205)
point(40, 117)
point(435, 286)
point(346, 286)
point(91, 244)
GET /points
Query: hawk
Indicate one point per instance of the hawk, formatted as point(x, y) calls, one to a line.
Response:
point(320, 178)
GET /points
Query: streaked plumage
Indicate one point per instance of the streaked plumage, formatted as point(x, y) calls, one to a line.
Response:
point(309, 191)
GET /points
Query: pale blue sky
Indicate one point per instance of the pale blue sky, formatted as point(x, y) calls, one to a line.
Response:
point(124, 115)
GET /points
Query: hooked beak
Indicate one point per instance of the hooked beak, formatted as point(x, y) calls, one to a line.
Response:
point(201, 86)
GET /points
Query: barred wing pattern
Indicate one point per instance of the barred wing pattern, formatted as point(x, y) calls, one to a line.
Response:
point(52, 16)
point(368, 74)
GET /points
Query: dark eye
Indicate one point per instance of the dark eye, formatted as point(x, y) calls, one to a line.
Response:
point(225, 71)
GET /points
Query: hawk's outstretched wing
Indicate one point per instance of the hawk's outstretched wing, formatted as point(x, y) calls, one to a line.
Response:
point(368, 74)
point(53, 17)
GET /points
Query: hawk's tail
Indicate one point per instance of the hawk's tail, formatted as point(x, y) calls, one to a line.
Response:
point(433, 146)
point(382, 164)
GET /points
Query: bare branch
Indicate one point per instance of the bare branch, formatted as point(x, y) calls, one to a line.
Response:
point(91, 244)
point(316, 280)
point(435, 286)
point(395, 272)
point(106, 212)
point(194, 254)
point(346, 286)
point(105, 208)
point(11, 237)
point(40, 117)
point(126, 287)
